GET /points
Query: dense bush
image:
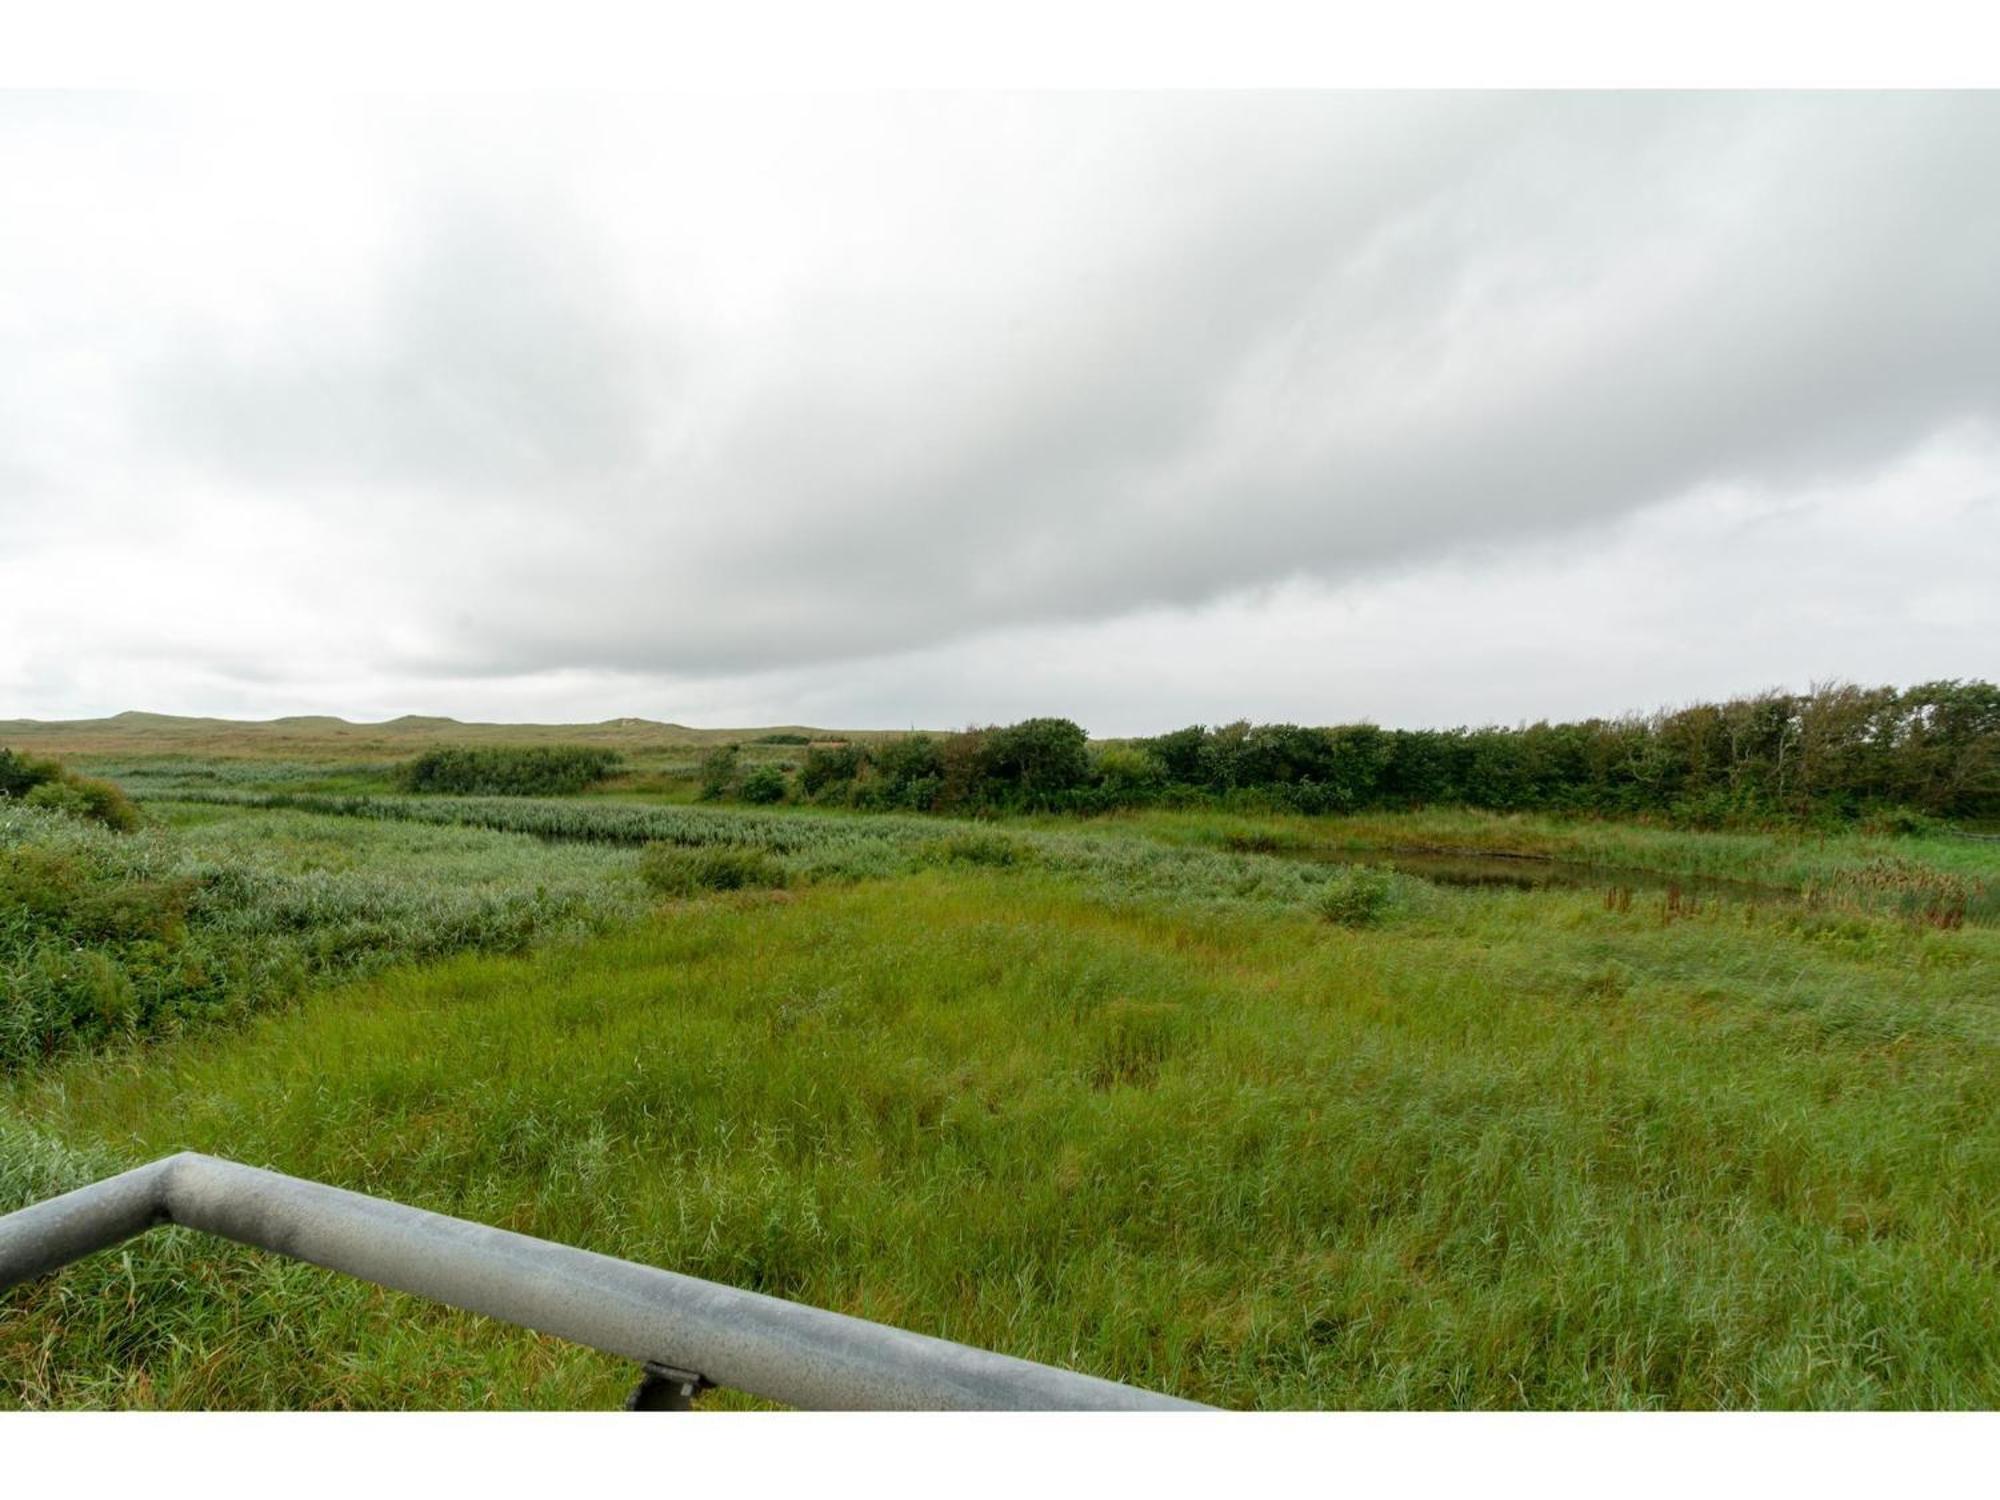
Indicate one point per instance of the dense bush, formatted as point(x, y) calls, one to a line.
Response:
point(508, 771)
point(1033, 762)
point(909, 773)
point(719, 772)
point(829, 767)
point(764, 786)
point(46, 784)
point(19, 774)
point(1128, 775)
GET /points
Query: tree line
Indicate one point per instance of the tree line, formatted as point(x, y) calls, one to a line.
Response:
point(1839, 751)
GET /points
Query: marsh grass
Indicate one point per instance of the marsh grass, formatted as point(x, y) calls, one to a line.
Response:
point(1358, 896)
point(236, 903)
point(1512, 1150)
point(1114, 1095)
point(209, 918)
point(675, 871)
point(1844, 867)
point(1934, 898)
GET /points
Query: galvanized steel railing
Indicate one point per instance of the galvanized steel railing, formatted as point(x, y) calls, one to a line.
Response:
point(686, 1333)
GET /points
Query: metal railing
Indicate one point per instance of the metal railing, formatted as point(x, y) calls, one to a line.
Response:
point(687, 1334)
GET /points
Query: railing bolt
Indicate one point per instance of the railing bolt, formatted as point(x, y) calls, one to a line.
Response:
point(663, 1388)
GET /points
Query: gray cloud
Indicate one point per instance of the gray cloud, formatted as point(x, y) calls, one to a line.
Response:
point(498, 361)
point(735, 386)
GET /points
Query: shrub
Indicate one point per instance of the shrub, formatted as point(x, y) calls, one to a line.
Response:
point(508, 771)
point(673, 870)
point(829, 766)
point(1128, 774)
point(21, 774)
point(1033, 760)
point(59, 797)
point(46, 784)
point(1357, 897)
point(718, 772)
point(106, 803)
point(1900, 820)
point(764, 785)
point(1180, 753)
point(910, 772)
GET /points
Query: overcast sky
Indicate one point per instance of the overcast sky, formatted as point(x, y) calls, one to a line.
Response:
point(1144, 409)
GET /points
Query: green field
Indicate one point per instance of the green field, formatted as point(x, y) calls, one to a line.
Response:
point(1176, 1098)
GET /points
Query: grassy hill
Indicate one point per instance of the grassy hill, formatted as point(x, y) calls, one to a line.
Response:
point(313, 736)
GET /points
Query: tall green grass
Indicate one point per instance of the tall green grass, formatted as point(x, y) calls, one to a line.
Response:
point(231, 905)
point(1860, 868)
point(241, 900)
point(1513, 1149)
point(1162, 1097)
point(153, 777)
point(1878, 871)
point(817, 846)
